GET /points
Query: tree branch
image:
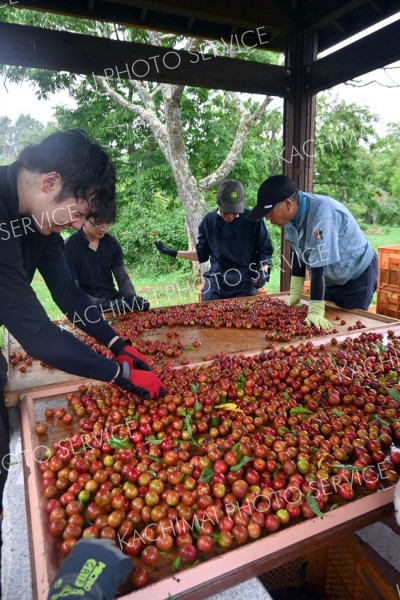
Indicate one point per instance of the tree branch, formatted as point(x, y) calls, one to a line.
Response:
point(236, 102)
point(231, 158)
point(148, 115)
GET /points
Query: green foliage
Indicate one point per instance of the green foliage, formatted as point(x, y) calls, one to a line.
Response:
point(137, 228)
point(13, 137)
point(343, 168)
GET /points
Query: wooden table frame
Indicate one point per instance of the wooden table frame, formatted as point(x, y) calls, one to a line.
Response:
point(213, 575)
point(233, 341)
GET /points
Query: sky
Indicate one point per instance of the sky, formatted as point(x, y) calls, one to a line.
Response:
point(378, 90)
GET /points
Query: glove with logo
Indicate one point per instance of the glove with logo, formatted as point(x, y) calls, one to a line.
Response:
point(144, 384)
point(296, 290)
point(165, 249)
point(93, 570)
point(125, 353)
point(315, 315)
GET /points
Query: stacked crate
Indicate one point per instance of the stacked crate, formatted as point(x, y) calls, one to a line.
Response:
point(389, 281)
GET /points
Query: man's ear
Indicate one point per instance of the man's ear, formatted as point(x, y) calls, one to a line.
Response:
point(50, 182)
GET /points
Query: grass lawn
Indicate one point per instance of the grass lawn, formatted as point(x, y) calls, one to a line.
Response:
point(170, 289)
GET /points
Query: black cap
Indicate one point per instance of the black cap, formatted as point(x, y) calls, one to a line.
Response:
point(230, 196)
point(272, 191)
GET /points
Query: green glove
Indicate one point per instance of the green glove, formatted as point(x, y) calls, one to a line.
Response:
point(296, 290)
point(315, 315)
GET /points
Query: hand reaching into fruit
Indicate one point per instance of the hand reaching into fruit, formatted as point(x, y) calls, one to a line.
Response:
point(125, 353)
point(144, 384)
point(315, 315)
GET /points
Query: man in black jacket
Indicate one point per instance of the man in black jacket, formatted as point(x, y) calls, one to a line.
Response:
point(239, 250)
point(94, 257)
point(55, 185)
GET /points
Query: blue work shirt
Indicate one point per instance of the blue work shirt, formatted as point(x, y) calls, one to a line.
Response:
point(240, 245)
point(327, 235)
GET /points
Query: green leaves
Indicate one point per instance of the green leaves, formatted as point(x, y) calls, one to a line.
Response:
point(395, 394)
point(313, 504)
point(348, 467)
point(195, 388)
point(176, 564)
point(337, 412)
point(118, 443)
point(207, 474)
point(300, 410)
point(381, 421)
point(242, 462)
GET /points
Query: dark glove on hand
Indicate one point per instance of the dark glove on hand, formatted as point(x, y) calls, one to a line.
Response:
point(144, 384)
point(125, 353)
point(262, 280)
point(165, 249)
point(93, 570)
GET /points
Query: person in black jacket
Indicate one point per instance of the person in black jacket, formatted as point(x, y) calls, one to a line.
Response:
point(239, 250)
point(55, 185)
point(94, 257)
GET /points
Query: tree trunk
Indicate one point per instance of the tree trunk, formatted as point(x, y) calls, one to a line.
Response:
point(191, 196)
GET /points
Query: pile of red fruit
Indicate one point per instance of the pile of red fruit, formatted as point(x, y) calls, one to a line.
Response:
point(236, 449)
point(282, 323)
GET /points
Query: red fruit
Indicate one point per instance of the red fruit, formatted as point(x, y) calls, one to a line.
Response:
point(272, 523)
point(240, 488)
point(150, 556)
point(59, 413)
point(205, 544)
point(133, 546)
point(41, 428)
point(395, 457)
point(187, 552)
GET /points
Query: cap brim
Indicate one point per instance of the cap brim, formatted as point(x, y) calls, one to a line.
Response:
point(258, 212)
point(231, 207)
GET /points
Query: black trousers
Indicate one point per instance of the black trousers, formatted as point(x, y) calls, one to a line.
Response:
point(356, 293)
point(4, 428)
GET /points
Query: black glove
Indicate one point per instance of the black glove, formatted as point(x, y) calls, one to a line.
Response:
point(165, 249)
point(125, 353)
point(144, 384)
point(93, 570)
point(262, 279)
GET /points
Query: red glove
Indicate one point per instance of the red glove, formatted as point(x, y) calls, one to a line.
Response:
point(144, 384)
point(125, 353)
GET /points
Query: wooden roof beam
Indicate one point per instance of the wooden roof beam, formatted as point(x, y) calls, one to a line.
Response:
point(63, 51)
point(275, 14)
point(372, 52)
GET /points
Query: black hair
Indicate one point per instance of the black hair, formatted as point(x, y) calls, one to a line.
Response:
point(85, 168)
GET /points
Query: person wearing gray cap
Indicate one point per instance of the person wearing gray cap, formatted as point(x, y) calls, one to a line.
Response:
point(327, 240)
point(239, 250)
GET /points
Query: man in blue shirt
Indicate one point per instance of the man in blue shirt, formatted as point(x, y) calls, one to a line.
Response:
point(327, 240)
point(239, 251)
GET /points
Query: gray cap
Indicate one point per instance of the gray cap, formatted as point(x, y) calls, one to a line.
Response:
point(230, 196)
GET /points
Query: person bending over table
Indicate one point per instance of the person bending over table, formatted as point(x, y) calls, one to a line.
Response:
point(327, 240)
point(54, 185)
point(239, 251)
point(94, 256)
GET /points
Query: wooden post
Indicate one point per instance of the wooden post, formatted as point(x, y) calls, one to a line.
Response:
point(298, 125)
